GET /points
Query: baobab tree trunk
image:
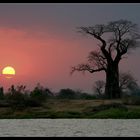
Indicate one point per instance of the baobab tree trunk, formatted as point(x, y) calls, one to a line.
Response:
point(112, 90)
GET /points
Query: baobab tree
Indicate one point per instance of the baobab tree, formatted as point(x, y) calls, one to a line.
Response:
point(115, 40)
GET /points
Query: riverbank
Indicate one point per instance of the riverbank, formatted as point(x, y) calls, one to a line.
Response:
point(76, 109)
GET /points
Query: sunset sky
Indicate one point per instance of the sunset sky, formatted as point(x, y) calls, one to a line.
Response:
point(41, 42)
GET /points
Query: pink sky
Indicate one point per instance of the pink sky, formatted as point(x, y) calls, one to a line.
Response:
point(38, 57)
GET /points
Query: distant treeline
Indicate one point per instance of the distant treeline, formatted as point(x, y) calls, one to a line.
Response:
point(19, 97)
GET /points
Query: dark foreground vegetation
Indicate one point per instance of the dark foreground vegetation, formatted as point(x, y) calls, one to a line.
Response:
point(43, 103)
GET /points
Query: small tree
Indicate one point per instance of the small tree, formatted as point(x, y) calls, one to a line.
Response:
point(99, 88)
point(128, 84)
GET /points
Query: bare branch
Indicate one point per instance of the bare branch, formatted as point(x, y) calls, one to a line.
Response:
point(97, 59)
point(85, 67)
point(125, 36)
point(96, 31)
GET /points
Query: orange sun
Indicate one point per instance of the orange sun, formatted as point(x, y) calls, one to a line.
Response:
point(9, 72)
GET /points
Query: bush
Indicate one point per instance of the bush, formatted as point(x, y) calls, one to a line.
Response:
point(67, 94)
point(87, 96)
point(18, 98)
point(37, 95)
point(4, 103)
point(131, 100)
point(105, 107)
point(30, 102)
point(1, 93)
point(19, 101)
point(114, 113)
point(41, 94)
point(71, 94)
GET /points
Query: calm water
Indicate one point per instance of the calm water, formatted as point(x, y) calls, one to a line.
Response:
point(69, 127)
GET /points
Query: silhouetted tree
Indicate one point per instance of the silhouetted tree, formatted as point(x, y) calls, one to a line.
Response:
point(116, 39)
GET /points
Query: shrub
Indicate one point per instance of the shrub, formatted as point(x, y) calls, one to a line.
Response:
point(1, 93)
point(67, 94)
point(105, 107)
point(18, 98)
point(71, 94)
point(30, 102)
point(131, 100)
point(114, 113)
point(40, 93)
point(4, 103)
point(87, 96)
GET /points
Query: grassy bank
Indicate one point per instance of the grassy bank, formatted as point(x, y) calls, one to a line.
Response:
point(58, 108)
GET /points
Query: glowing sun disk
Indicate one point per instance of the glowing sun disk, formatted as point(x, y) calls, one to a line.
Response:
point(9, 70)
